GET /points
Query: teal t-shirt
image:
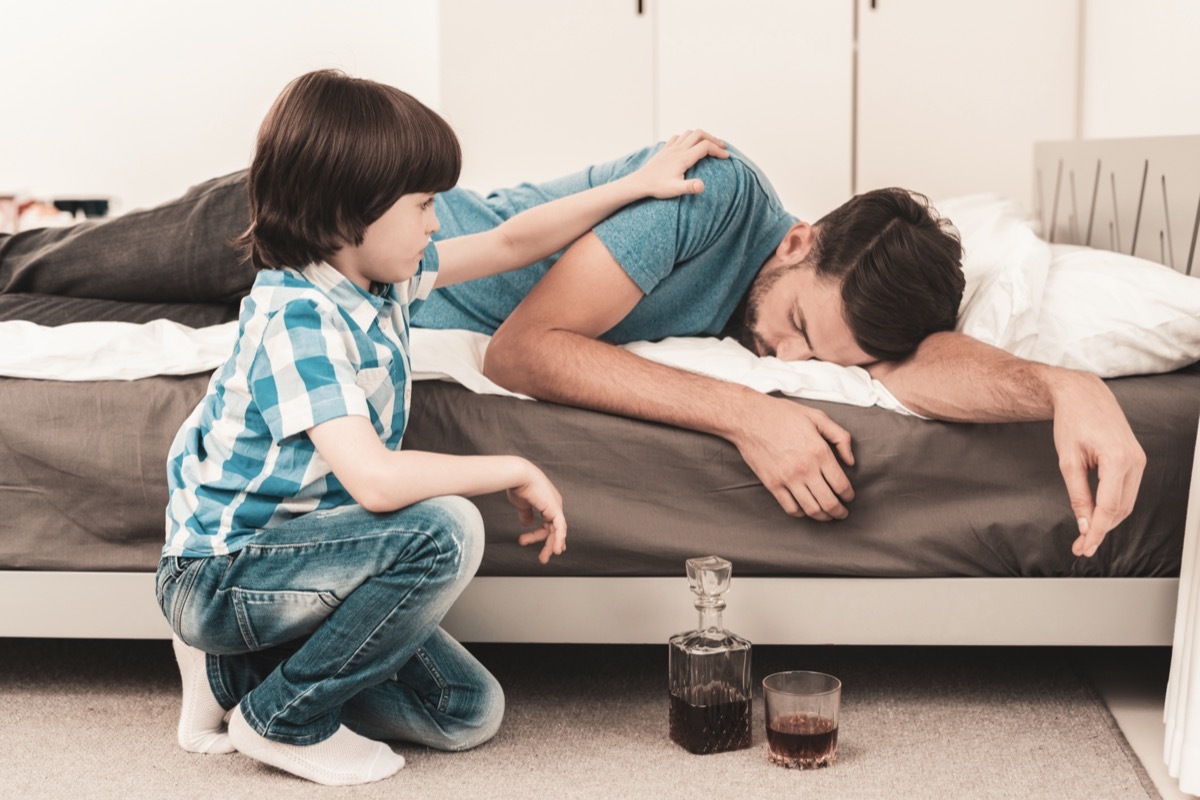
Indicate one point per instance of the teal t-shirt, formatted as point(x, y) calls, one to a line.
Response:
point(693, 256)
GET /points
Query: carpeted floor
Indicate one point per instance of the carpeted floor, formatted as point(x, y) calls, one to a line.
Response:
point(96, 719)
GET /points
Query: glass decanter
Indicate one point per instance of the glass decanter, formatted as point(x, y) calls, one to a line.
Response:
point(710, 670)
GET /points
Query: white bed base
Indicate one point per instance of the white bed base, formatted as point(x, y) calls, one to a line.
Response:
point(853, 611)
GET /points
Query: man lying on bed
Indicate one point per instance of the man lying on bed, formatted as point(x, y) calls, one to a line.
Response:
point(729, 259)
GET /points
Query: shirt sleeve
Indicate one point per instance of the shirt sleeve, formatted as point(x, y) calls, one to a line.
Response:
point(302, 374)
point(418, 288)
point(650, 237)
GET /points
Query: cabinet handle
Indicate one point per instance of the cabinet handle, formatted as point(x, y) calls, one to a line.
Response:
point(641, 7)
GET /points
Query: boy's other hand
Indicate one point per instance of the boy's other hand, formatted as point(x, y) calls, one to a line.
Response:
point(537, 498)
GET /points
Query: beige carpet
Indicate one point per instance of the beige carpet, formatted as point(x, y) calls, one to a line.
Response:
point(95, 719)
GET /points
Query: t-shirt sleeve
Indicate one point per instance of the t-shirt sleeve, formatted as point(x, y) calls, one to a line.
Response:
point(650, 237)
point(302, 374)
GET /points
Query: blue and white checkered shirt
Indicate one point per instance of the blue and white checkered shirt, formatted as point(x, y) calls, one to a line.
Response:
point(312, 346)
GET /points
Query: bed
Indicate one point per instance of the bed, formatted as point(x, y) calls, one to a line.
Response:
point(960, 534)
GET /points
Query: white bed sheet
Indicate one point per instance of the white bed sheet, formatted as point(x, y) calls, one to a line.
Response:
point(96, 351)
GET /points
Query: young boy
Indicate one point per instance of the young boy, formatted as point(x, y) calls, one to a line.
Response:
point(309, 559)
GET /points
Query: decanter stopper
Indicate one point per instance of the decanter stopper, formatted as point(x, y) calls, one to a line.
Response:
point(709, 578)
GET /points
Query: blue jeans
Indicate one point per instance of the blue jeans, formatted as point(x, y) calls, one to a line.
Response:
point(333, 617)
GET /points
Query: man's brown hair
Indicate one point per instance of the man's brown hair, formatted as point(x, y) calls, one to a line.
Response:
point(900, 266)
point(333, 154)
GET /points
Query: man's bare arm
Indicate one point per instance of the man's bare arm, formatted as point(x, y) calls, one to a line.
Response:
point(957, 378)
point(548, 349)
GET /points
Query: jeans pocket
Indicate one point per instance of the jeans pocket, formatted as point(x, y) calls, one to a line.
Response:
point(270, 618)
point(160, 582)
point(166, 578)
point(429, 683)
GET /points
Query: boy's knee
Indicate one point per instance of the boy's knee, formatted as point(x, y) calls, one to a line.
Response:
point(489, 722)
point(457, 522)
point(484, 723)
point(454, 529)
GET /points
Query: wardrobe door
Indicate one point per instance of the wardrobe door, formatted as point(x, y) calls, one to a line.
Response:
point(541, 88)
point(952, 95)
point(775, 78)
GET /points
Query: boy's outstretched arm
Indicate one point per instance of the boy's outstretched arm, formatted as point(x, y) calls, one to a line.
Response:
point(383, 480)
point(541, 231)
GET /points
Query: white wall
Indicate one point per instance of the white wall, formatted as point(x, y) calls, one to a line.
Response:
point(139, 99)
point(1141, 65)
point(953, 95)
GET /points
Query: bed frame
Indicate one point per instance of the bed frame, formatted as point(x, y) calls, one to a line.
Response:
point(1135, 195)
point(894, 611)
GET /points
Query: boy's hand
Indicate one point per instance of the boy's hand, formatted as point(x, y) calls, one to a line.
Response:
point(663, 175)
point(538, 495)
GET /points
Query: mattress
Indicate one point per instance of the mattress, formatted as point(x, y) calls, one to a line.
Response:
point(83, 487)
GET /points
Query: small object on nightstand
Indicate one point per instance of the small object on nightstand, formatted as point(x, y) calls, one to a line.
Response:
point(8, 213)
point(40, 214)
point(90, 207)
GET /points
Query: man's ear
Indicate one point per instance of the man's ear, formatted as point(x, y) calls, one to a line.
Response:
point(797, 243)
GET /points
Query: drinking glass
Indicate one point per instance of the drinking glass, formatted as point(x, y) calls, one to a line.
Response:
point(802, 718)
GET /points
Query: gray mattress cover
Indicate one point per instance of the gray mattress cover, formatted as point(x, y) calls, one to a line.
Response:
point(83, 487)
point(933, 499)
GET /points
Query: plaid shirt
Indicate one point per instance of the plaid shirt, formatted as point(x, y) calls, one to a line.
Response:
point(312, 346)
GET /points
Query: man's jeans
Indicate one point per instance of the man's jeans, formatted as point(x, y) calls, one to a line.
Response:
point(333, 617)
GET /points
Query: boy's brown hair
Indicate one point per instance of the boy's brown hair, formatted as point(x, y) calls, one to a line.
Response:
point(334, 153)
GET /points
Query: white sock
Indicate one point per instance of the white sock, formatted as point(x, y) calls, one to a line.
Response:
point(343, 759)
point(201, 719)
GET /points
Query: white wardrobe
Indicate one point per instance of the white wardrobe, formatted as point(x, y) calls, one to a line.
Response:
point(829, 97)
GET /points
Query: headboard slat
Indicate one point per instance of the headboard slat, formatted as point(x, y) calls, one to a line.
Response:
point(1119, 204)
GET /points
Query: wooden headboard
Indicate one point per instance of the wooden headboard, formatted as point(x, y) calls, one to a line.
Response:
point(1136, 196)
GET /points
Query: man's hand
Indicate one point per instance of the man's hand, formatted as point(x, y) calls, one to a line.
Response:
point(956, 378)
point(787, 445)
point(535, 498)
point(1090, 432)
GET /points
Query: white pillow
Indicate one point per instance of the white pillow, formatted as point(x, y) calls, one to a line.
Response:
point(1005, 265)
point(1114, 314)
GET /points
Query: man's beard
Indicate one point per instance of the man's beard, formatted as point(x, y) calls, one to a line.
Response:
point(744, 321)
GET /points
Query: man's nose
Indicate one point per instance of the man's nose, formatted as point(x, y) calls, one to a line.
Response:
point(793, 348)
point(432, 224)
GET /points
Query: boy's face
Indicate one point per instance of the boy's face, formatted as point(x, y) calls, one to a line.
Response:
point(393, 245)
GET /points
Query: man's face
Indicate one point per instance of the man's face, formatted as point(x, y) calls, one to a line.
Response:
point(795, 315)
